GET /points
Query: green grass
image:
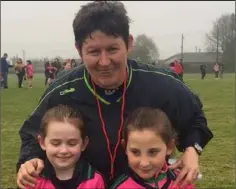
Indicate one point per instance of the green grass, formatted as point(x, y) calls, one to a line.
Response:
point(217, 161)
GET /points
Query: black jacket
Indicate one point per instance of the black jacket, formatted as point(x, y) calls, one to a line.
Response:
point(147, 86)
point(83, 172)
point(4, 66)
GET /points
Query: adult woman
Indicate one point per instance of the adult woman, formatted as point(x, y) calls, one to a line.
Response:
point(20, 71)
point(108, 86)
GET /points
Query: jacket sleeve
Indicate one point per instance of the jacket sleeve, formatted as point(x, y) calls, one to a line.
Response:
point(28, 133)
point(189, 118)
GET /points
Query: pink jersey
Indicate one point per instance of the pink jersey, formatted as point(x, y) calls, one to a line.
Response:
point(216, 67)
point(164, 180)
point(95, 182)
point(84, 177)
point(29, 70)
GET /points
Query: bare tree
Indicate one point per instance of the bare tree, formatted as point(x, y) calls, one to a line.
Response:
point(224, 27)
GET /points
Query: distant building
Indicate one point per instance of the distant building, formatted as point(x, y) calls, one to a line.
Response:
point(193, 60)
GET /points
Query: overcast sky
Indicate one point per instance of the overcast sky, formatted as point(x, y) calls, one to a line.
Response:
point(45, 28)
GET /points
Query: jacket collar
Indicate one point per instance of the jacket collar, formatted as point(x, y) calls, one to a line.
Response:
point(90, 88)
point(82, 171)
point(164, 173)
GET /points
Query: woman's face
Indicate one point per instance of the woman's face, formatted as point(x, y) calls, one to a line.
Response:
point(105, 58)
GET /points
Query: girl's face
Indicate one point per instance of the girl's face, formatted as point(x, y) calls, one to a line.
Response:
point(146, 152)
point(67, 66)
point(19, 61)
point(63, 145)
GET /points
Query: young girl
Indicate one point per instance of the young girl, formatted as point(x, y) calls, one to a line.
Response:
point(29, 72)
point(216, 69)
point(62, 136)
point(67, 66)
point(148, 139)
point(52, 73)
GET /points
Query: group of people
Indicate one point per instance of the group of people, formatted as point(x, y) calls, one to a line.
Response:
point(112, 122)
point(23, 71)
point(177, 67)
point(51, 69)
point(26, 71)
point(218, 69)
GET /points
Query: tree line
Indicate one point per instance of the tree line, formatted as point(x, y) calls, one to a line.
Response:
point(145, 49)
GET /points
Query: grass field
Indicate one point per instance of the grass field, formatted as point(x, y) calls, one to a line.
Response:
point(217, 161)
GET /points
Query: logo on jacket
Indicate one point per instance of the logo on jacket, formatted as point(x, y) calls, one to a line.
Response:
point(71, 90)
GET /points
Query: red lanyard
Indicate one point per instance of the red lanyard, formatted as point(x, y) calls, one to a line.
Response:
point(112, 156)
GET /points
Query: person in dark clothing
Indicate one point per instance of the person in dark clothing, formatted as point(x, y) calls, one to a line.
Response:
point(24, 74)
point(203, 71)
point(73, 63)
point(4, 71)
point(46, 72)
point(221, 70)
point(1, 80)
point(105, 89)
point(52, 73)
point(57, 64)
